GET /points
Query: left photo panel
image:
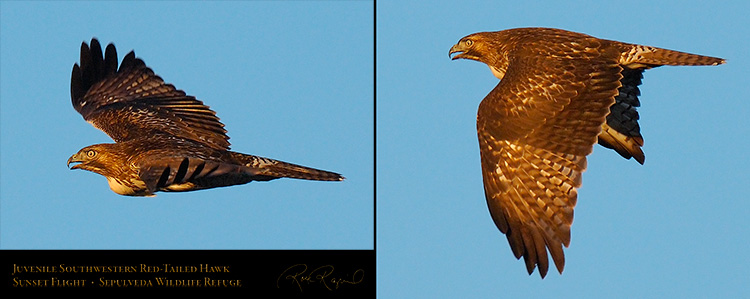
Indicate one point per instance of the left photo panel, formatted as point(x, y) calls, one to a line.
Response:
point(233, 134)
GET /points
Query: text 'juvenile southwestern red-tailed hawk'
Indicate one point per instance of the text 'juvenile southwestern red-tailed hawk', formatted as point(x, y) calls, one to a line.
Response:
point(560, 93)
point(165, 140)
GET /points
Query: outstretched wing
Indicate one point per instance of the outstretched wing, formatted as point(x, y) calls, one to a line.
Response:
point(535, 129)
point(621, 132)
point(183, 166)
point(132, 102)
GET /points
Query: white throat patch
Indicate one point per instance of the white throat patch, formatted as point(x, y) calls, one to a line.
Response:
point(498, 73)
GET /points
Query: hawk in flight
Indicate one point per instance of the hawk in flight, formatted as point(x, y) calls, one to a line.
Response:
point(165, 139)
point(560, 93)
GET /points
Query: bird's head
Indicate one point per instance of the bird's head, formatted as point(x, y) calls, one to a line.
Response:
point(94, 158)
point(469, 47)
point(485, 47)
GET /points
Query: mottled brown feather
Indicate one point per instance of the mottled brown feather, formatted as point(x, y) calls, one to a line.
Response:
point(132, 101)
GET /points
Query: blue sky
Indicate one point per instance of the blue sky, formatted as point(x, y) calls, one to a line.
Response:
point(290, 80)
point(675, 227)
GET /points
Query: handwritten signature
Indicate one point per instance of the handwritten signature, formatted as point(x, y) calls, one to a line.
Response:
point(323, 275)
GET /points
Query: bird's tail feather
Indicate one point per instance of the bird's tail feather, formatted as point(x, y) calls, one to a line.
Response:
point(277, 169)
point(638, 56)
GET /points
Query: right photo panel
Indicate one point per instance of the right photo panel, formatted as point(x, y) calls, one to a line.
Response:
point(569, 150)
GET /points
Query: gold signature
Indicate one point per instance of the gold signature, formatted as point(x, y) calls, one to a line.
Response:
point(323, 275)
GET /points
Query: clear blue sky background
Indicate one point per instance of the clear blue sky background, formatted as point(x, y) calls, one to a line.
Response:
point(290, 80)
point(675, 227)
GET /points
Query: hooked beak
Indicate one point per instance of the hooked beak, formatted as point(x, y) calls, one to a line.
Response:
point(74, 159)
point(456, 49)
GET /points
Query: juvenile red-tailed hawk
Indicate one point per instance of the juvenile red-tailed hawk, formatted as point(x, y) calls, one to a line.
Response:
point(165, 140)
point(560, 93)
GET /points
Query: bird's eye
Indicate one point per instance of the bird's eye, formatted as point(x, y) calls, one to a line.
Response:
point(90, 153)
point(469, 42)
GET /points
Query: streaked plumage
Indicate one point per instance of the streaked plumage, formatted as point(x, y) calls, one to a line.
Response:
point(165, 139)
point(560, 93)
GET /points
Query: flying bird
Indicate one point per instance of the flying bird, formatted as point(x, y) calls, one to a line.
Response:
point(165, 139)
point(560, 92)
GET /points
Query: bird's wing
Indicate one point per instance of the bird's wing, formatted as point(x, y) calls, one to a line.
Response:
point(621, 132)
point(535, 129)
point(167, 162)
point(182, 173)
point(132, 102)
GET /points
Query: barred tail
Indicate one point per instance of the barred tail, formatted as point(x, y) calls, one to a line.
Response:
point(637, 56)
point(273, 169)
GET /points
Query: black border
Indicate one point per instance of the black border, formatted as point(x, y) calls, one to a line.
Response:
point(279, 273)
